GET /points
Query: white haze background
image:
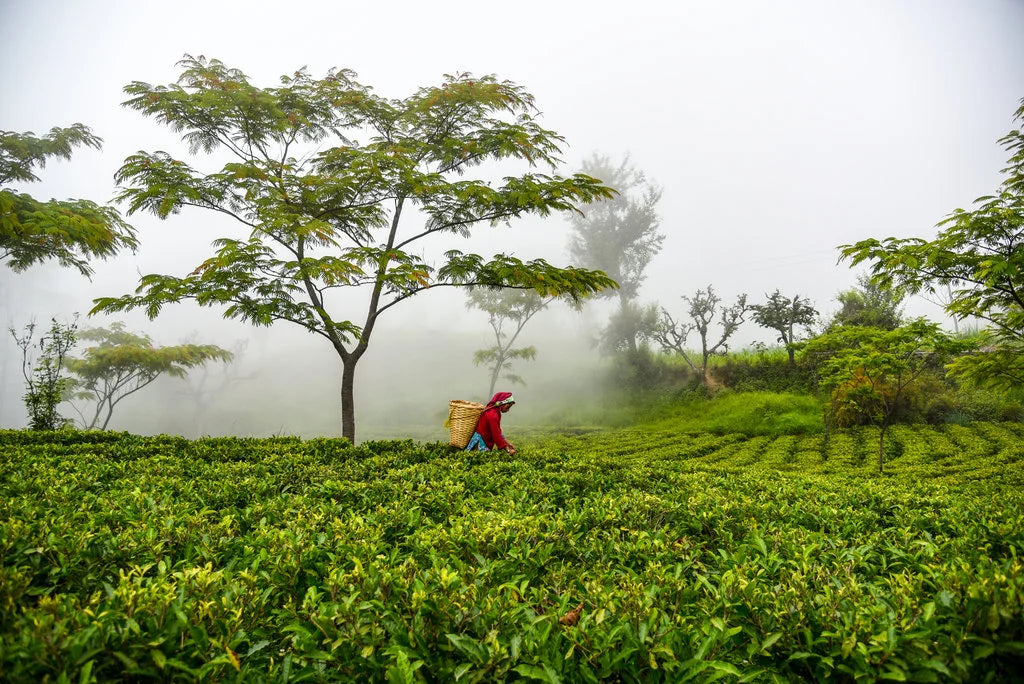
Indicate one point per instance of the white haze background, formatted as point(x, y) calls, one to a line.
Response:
point(778, 130)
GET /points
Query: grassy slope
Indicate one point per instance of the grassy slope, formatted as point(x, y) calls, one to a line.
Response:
point(747, 413)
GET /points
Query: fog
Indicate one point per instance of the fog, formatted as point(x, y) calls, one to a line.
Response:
point(777, 130)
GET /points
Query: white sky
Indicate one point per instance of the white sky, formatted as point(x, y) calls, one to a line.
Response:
point(778, 130)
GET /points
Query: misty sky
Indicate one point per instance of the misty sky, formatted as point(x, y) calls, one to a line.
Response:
point(778, 130)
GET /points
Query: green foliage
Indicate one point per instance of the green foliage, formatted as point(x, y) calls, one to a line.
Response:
point(986, 405)
point(688, 407)
point(629, 328)
point(71, 231)
point(977, 259)
point(739, 413)
point(785, 316)
point(762, 369)
point(646, 371)
point(125, 558)
point(45, 383)
point(20, 153)
point(122, 362)
point(935, 399)
point(323, 210)
point(997, 364)
point(867, 371)
point(869, 305)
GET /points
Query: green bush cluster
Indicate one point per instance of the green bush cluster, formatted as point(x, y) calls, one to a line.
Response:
point(932, 398)
point(987, 405)
point(935, 400)
point(765, 372)
point(759, 370)
point(702, 556)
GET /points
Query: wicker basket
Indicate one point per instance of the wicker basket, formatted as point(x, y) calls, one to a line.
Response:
point(462, 417)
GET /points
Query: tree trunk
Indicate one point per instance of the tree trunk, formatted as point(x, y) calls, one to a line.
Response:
point(96, 415)
point(826, 416)
point(348, 406)
point(881, 449)
point(110, 412)
point(623, 303)
point(494, 376)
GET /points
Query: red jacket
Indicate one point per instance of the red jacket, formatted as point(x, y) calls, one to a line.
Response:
point(489, 427)
point(489, 423)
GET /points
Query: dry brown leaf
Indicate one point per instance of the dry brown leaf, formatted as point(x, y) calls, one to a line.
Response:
point(572, 617)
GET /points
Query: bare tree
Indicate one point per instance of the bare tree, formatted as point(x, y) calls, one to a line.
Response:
point(703, 306)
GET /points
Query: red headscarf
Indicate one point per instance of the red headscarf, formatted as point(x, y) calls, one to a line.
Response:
point(500, 399)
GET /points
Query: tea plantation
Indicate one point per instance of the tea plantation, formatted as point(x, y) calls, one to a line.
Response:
point(623, 555)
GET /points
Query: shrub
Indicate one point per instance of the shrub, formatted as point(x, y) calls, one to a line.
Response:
point(1012, 411)
point(634, 555)
point(939, 408)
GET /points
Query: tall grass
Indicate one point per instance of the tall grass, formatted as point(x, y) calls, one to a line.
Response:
point(752, 356)
point(747, 413)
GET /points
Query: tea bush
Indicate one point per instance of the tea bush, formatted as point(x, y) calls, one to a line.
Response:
point(625, 555)
point(763, 370)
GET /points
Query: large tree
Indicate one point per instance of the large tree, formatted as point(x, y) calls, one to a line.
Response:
point(979, 255)
point(341, 189)
point(619, 235)
point(785, 316)
point(72, 231)
point(630, 324)
point(120, 363)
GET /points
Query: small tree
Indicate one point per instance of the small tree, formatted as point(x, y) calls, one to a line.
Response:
point(703, 306)
point(514, 308)
point(867, 370)
point(869, 304)
point(322, 211)
point(70, 231)
point(785, 316)
point(45, 382)
point(619, 235)
point(122, 363)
